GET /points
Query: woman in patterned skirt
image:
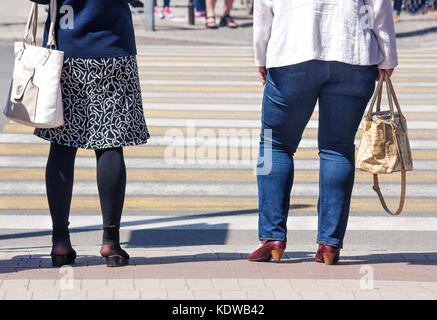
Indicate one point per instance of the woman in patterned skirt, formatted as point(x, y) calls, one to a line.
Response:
point(102, 110)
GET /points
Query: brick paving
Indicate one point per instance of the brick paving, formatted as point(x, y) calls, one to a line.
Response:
point(177, 274)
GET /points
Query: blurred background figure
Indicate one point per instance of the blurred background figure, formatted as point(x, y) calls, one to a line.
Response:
point(137, 4)
point(225, 21)
point(200, 8)
point(397, 7)
point(165, 13)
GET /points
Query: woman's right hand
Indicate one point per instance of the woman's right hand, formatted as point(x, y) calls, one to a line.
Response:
point(262, 74)
point(388, 71)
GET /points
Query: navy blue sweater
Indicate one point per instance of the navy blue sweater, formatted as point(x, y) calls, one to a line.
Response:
point(102, 29)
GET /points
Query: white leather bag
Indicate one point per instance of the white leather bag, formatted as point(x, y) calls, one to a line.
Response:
point(35, 97)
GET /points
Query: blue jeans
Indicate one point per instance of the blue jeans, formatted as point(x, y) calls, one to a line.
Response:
point(397, 6)
point(290, 96)
point(200, 5)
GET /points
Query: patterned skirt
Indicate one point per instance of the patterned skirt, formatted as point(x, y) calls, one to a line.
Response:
point(102, 105)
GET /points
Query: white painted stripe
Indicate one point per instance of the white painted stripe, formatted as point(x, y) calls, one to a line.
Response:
point(431, 97)
point(243, 222)
point(184, 57)
point(206, 139)
point(225, 189)
point(257, 107)
point(27, 161)
point(201, 83)
point(210, 74)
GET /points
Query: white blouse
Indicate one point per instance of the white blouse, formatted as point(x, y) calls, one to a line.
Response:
point(357, 32)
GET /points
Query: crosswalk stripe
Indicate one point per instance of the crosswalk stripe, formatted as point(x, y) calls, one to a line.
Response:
point(233, 222)
point(160, 131)
point(215, 204)
point(202, 175)
point(160, 151)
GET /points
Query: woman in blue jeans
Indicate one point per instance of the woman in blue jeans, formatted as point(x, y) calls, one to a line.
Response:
point(309, 52)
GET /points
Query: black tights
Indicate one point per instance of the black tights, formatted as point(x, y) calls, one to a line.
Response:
point(111, 183)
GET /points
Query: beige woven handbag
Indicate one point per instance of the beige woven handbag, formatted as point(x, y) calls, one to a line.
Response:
point(384, 146)
point(35, 97)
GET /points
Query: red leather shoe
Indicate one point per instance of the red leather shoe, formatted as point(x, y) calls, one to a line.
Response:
point(327, 254)
point(268, 251)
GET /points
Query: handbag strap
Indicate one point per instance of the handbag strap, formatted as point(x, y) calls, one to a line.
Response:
point(392, 96)
point(32, 24)
point(51, 42)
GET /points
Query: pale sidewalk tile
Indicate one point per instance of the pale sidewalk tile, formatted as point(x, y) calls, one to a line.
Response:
point(2, 294)
point(15, 284)
point(250, 283)
point(415, 295)
point(330, 283)
point(228, 284)
point(41, 283)
point(340, 295)
point(407, 284)
point(15, 295)
point(287, 294)
point(314, 295)
point(199, 283)
point(303, 283)
point(233, 295)
point(68, 285)
point(72, 295)
point(384, 283)
point(394, 295)
point(173, 284)
point(367, 295)
point(432, 286)
point(49, 295)
point(154, 294)
point(277, 283)
point(352, 284)
point(180, 295)
point(94, 283)
point(146, 284)
point(127, 295)
point(121, 284)
point(206, 295)
point(260, 294)
point(100, 294)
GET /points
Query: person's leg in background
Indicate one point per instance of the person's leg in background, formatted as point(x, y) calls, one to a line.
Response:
point(200, 8)
point(227, 20)
point(111, 182)
point(157, 11)
point(167, 11)
point(397, 7)
point(59, 185)
point(210, 14)
point(342, 102)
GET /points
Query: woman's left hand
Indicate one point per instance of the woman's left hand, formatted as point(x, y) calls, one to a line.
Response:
point(262, 74)
point(388, 71)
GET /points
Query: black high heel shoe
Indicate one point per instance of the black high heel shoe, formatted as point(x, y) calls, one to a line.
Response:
point(115, 257)
point(59, 260)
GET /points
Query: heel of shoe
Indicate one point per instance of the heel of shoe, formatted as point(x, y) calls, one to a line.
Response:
point(116, 261)
point(329, 258)
point(277, 254)
point(59, 260)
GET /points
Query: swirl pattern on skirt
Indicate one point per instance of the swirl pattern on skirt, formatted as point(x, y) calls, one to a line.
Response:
point(103, 106)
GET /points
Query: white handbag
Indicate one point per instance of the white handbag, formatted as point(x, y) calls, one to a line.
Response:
point(35, 97)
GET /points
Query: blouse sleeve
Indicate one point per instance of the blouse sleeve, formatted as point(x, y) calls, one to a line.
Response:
point(262, 26)
point(384, 30)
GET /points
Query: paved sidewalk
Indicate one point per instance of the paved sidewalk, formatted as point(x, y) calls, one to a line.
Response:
point(222, 272)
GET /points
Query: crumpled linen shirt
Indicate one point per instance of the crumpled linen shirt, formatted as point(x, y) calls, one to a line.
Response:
point(357, 32)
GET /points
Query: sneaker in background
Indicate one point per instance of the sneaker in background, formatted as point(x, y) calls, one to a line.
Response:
point(167, 13)
point(158, 13)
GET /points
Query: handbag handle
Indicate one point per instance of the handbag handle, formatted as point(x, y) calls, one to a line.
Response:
point(32, 23)
point(391, 97)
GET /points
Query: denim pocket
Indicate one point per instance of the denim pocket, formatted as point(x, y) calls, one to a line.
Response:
point(293, 70)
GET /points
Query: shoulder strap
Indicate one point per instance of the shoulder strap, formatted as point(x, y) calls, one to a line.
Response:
point(381, 197)
point(53, 14)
